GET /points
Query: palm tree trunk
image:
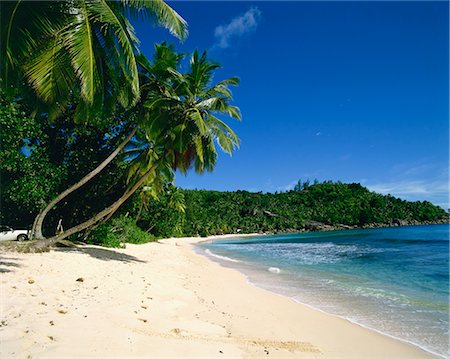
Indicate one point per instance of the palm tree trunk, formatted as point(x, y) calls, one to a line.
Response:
point(36, 231)
point(99, 216)
point(140, 210)
point(103, 220)
point(110, 214)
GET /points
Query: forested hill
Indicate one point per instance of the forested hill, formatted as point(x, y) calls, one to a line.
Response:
point(319, 206)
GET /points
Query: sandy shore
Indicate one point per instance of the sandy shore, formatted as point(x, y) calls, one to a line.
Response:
point(162, 300)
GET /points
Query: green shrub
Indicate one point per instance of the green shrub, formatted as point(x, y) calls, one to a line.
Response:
point(104, 236)
point(118, 231)
point(129, 232)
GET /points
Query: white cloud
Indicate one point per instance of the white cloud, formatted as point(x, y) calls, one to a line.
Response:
point(434, 191)
point(419, 181)
point(287, 187)
point(238, 26)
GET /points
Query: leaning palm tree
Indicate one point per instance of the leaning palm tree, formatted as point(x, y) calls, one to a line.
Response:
point(153, 76)
point(181, 127)
point(179, 131)
point(78, 52)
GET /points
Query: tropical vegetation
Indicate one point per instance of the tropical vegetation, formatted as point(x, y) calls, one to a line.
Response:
point(315, 206)
point(92, 133)
point(78, 57)
point(75, 88)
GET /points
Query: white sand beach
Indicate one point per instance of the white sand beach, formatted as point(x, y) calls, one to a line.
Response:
point(162, 300)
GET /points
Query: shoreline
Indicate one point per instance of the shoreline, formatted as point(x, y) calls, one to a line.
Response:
point(353, 322)
point(322, 227)
point(166, 298)
point(221, 260)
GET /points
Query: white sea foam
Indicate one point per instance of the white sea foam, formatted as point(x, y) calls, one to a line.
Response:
point(307, 253)
point(360, 280)
point(274, 270)
point(207, 251)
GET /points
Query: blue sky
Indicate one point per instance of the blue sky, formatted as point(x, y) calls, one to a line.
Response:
point(349, 91)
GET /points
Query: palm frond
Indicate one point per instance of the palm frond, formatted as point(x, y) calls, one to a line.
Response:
point(126, 41)
point(25, 26)
point(198, 143)
point(159, 11)
point(81, 48)
point(234, 112)
point(201, 71)
point(195, 115)
point(226, 138)
point(221, 88)
point(210, 154)
point(50, 73)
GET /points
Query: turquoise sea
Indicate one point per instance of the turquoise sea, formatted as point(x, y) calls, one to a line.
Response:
point(393, 280)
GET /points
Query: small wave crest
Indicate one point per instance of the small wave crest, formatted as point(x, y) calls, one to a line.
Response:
point(207, 251)
point(414, 241)
point(274, 270)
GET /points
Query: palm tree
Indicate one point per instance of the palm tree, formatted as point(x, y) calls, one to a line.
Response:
point(165, 61)
point(182, 114)
point(79, 52)
point(180, 127)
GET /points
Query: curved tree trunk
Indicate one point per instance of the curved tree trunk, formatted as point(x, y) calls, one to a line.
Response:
point(36, 231)
point(138, 216)
point(99, 216)
point(99, 223)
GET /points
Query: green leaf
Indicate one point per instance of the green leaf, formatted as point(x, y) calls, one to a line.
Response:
point(50, 73)
point(126, 40)
point(197, 117)
point(161, 12)
point(80, 45)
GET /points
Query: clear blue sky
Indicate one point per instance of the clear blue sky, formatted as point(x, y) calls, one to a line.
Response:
point(349, 91)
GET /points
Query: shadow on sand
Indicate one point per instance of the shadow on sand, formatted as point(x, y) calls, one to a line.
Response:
point(102, 254)
point(7, 264)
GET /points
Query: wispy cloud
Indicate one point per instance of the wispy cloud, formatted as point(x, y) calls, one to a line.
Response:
point(434, 191)
point(237, 27)
point(422, 180)
point(287, 187)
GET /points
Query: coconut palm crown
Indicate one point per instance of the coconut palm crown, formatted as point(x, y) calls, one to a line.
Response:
point(78, 51)
point(180, 115)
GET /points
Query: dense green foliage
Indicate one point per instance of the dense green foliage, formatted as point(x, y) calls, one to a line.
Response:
point(86, 91)
point(26, 180)
point(39, 159)
point(163, 216)
point(176, 128)
point(73, 65)
point(117, 232)
point(79, 54)
point(75, 90)
point(213, 212)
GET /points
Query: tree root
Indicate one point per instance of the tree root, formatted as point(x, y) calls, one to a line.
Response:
point(36, 246)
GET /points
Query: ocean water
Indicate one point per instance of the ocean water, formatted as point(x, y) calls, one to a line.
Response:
point(394, 280)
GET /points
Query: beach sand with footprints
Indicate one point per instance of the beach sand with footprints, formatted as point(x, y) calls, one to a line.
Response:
point(162, 300)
